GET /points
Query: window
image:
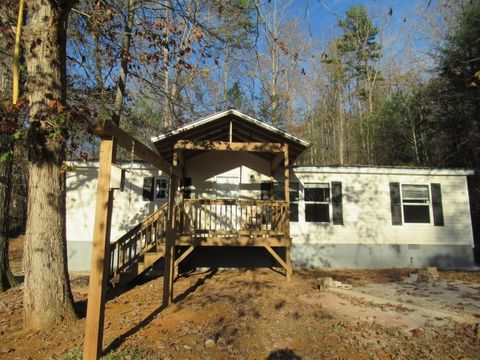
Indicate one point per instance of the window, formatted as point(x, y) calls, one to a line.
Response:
point(416, 204)
point(148, 188)
point(294, 197)
point(161, 188)
point(227, 187)
point(317, 202)
point(155, 188)
point(265, 190)
point(187, 188)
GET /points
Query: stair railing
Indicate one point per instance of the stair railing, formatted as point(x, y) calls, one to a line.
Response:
point(127, 250)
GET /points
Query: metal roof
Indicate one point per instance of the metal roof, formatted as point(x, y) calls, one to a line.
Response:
point(387, 170)
point(216, 127)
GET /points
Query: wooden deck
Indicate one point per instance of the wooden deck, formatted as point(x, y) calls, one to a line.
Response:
point(233, 241)
point(200, 222)
point(232, 223)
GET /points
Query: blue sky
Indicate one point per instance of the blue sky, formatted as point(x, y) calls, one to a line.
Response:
point(322, 19)
point(399, 31)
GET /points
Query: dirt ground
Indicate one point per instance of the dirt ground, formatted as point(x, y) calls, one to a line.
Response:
point(256, 314)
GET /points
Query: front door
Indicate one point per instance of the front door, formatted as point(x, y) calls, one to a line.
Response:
point(227, 188)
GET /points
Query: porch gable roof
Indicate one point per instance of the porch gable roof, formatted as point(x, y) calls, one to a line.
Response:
point(216, 127)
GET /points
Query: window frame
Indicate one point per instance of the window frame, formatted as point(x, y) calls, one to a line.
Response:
point(427, 204)
point(295, 202)
point(311, 202)
point(233, 189)
point(159, 179)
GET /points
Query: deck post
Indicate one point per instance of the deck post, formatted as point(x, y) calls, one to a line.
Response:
point(181, 258)
point(169, 267)
point(287, 217)
point(93, 343)
point(288, 260)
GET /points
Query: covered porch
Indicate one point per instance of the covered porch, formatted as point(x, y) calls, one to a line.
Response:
point(235, 184)
point(231, 194)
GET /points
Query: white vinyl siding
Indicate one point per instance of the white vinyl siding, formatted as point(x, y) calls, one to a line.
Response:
point(367, 216)
point(365, 198)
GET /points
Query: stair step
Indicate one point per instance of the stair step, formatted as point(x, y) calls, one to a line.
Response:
point(143, 258)
point(126, 277)
point(149, 259)
point(142, 267)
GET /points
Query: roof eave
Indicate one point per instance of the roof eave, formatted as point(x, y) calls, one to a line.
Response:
point(226, 113)
point(392, 170)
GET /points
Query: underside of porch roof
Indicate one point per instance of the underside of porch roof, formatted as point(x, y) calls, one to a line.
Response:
point(229, 126)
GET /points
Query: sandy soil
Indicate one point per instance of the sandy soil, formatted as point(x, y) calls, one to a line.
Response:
point(255, 314)
point(15, 248)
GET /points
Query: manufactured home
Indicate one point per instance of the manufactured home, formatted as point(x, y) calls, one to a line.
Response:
point(241, 201)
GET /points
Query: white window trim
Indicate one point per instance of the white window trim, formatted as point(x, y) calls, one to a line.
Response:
point(430, 205)
point(155, 197)
point(305, 203)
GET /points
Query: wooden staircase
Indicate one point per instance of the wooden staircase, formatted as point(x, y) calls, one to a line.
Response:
point(139, 249)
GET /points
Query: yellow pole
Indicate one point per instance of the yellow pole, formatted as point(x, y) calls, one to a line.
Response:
point(16, 54)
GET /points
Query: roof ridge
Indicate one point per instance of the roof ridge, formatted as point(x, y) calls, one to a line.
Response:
point(224, 113)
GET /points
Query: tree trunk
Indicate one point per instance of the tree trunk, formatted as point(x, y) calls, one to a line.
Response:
point(7, 17)
point(125, 61)
point(6, 278)
point(275, 66)
point(47, 295)
point(98, 61)
point(341, 121)
point(226, 57)
point(168, 114)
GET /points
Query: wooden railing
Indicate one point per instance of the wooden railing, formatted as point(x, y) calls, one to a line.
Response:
point(232, 218)
point(201, 218)
point(149, 233)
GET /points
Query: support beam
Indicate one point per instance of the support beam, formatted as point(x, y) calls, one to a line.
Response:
point(287, 186)
point(229, 146)
point(288, 260)
point(277, 160)
point(184, 255)
point(168, 271)
point(187, 240)
point(93, 344)
point(287, 220)
point(169, 267)
point(181, 258)
point(125, 140)
point(181, 161)
point(277, 257)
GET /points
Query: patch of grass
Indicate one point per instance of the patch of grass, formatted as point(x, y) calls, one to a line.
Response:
point(73, 354)
point(128, 354)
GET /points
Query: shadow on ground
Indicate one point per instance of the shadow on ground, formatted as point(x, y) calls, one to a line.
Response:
point(116, 343)
point(283, 354)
